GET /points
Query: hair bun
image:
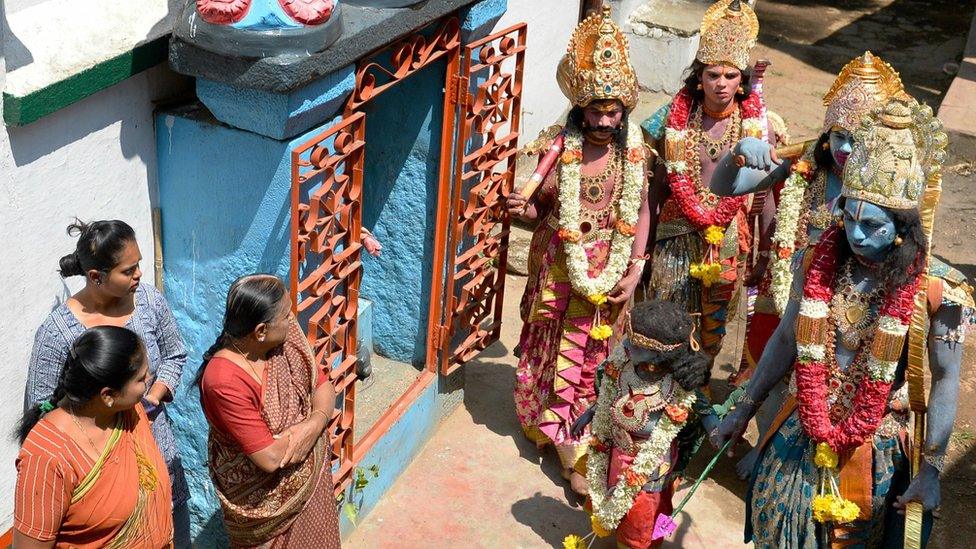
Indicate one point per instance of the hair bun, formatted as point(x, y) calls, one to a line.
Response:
point(70, 266)
point(77, 228)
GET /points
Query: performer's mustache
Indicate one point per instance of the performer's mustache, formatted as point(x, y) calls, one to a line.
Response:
point(615, 130)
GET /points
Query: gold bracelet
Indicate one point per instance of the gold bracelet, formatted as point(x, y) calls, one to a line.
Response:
point(319, 412)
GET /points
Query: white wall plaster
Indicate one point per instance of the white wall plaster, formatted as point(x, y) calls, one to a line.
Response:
point(96, 160)
point(550, 24)
point(49, 41)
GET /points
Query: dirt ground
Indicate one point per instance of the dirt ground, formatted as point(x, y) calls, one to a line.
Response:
point(479, 483)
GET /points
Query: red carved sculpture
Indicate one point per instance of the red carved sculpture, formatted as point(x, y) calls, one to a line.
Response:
point(223, 12)
point(308, 12)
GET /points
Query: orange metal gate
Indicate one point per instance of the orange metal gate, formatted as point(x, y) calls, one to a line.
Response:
point(471, 233)
point(472, 227)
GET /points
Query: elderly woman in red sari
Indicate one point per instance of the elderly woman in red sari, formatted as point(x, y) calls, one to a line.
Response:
point(89, 473)
point(268, 405)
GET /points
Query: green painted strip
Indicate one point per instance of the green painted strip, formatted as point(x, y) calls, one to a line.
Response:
point(22, 110)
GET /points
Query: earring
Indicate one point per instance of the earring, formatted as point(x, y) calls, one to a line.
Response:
point(825, 146)
point(740, 90)
point(699, 87)
point(899, 241)
point(110, 403)
point(840, 222)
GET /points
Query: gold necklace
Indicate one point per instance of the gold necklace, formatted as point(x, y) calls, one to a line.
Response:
point(715, 147)
point(852, 310)
point(594, 190)
point(254, 371)
point(77, 423)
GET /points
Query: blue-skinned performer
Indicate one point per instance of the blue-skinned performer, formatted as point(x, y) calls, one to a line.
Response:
point(808, 197)
point(833, 469)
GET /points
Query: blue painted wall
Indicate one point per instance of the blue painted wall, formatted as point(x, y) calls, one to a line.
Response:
point(393, 453)
point(403, 148)
point(225, 200)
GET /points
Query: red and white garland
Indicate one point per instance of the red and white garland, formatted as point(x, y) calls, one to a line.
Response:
point(682, 183)
point(812, 372)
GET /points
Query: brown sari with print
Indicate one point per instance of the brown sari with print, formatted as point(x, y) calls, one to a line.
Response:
point(291, 507)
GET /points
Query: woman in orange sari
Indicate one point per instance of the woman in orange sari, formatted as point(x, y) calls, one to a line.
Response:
point(268, 405)
point(89, 473)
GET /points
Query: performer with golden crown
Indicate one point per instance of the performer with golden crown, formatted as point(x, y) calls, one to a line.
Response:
point(696, 247)
point(867, 308)
point(585, 257)
point(808, 195)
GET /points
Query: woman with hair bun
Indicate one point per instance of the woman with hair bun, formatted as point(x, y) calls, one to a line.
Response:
point(108, 257)
point(89, 473)
point(268, 403)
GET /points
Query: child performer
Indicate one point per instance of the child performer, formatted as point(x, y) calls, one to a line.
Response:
point(649, 388)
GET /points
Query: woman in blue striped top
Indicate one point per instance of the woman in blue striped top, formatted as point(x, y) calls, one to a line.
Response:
point(108, 256)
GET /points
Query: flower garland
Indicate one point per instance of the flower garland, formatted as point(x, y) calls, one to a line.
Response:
point(683, 187)
point(791, 206)
point(628, 208)
point(812, 373)
point(609, 508)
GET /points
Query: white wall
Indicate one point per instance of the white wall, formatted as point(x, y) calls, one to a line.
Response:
point(95, 160)
point(550, 24)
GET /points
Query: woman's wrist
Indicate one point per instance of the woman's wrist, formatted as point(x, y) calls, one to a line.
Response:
point(319, 416)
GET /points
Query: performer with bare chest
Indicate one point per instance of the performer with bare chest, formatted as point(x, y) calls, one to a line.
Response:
point(585, 257)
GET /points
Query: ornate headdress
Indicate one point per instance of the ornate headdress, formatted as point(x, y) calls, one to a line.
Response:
point(898, 146)
point(728, 33)
point(863, 84)
point(652, 344)
point(597, 64)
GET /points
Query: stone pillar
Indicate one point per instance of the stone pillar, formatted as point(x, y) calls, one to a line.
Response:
point(663, 38)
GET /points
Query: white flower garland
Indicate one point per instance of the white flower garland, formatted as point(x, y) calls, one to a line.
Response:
point(814, 308)
point(610, 507)
point(811, 351)
point(791, 204)
point(628, 209)
point(892, 325)
point(882, 370)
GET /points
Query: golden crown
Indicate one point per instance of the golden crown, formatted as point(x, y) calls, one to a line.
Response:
point(898, 146)
point(861, 86)
point(728, 33)
point(597, 63)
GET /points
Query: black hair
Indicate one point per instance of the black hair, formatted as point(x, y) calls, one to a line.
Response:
point(902, 263)
point(821, 153)
point(103, 356)
point(100, 243)
point(251, 300)
point(694, 78)
point(579, 121)
point(669, 323)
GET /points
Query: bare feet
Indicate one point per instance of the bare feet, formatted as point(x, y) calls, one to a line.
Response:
point(578, 483)
point(745, 465)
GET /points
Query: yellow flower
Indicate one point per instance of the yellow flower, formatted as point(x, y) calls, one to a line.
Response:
point(845, 511)
point(601, 332)
point(597, 299)
point(822, 507)
point(708, 273)
point(714, 235)
point(573, 541)
point(825, 456)
point(598, 528)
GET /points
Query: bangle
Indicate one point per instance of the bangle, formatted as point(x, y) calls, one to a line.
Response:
point(746, 399)
point(937, 461)
point(319, 412)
